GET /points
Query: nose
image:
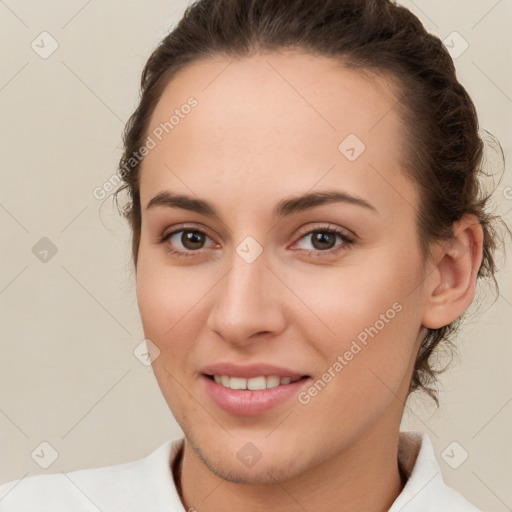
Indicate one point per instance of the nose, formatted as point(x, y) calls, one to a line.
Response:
point(247, 303)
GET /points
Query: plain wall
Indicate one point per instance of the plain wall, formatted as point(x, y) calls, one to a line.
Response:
point(68, 375)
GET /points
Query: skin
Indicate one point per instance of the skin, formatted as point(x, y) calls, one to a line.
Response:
point(268, 127)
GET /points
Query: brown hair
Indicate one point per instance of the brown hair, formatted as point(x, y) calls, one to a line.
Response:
point(445, 149)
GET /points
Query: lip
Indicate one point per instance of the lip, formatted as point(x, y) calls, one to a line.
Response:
point(249, 371)
point(245, 402)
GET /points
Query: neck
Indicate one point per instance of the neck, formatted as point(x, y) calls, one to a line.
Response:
point(365, 477)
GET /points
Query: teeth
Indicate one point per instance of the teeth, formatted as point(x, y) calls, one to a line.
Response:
point(255, 383)
point(237, 383)
point(273, 381)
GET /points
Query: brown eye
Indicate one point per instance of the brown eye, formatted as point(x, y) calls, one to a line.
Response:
point(192, 239)
point(322, 240)
point(186, 242)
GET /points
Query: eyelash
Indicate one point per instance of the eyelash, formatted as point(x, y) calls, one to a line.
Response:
point(347, 240)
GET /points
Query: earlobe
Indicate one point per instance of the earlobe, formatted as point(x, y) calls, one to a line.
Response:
point(451, 284)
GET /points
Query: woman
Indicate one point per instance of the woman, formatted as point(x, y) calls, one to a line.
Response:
point(307, 227)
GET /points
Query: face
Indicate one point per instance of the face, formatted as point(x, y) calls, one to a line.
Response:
point(249, 279)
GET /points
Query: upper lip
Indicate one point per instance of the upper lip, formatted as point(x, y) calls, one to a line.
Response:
point(250, 370)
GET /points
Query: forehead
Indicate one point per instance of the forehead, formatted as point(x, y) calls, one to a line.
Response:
point(274, 122)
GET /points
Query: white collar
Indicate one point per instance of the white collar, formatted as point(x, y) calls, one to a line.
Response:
point(424, 491)
point(148, 484)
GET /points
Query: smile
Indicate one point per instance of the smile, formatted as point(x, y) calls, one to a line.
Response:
point(255, 383)
point(240, 396)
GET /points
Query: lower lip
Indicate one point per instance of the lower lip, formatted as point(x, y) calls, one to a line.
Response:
point(246, 402)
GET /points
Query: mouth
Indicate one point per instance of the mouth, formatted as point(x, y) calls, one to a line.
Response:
point(254, 383)
point(252, 396)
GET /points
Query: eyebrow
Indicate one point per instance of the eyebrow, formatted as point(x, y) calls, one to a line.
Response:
point(283, 208)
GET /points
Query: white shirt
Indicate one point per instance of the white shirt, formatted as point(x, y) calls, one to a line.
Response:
point(147, 484)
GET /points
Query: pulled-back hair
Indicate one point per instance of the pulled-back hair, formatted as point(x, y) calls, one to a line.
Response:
point(444, 149)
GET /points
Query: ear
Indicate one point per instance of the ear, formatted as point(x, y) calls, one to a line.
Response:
point(451, 284)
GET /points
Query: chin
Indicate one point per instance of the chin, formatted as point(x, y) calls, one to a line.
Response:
point(261, 474)
point(269, 469)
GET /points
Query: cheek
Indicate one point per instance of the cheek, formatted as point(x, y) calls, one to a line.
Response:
point(363, 369)
point(168, 297)
point(169, 302)
point(348, 300)
point(369, 314)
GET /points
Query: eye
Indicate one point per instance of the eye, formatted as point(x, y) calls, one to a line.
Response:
point(184, 242)
point(323, 240)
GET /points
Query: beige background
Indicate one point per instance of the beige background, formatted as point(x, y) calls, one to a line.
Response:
point(68, 375)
